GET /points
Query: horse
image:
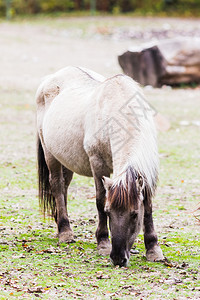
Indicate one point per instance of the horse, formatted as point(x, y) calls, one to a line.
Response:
point(93, 126)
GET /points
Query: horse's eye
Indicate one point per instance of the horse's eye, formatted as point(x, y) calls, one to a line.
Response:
point(134, 215)
point(107, 212)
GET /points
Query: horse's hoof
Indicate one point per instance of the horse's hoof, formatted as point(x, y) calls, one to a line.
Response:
point(66, 237)
point(155, 254)
point(104, 248)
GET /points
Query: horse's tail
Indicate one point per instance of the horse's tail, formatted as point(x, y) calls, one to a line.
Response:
point(46, 199)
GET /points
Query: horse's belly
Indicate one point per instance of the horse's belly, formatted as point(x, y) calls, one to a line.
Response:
point(69, 154)
point(77, 163)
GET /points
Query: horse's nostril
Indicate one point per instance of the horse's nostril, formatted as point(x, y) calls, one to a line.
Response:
point(120, 262)
point(124, 262)
point(119, 259)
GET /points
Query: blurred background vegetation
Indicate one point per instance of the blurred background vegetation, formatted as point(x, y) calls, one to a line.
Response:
point(12, 8)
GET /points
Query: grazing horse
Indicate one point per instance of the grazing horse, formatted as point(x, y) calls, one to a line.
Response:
point(95, 126)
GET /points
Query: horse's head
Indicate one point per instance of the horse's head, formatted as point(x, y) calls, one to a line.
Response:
point(124, 207)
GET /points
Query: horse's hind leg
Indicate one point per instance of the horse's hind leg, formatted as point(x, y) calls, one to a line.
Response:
point(67, 174)
point(103, 243)
point(153, 250)
point(57, 183)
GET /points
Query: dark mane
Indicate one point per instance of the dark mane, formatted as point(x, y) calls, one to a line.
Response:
point(115, 76)
point(86, 73)
point(124, 196)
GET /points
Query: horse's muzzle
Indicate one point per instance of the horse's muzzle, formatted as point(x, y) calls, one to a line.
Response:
point(119, 260)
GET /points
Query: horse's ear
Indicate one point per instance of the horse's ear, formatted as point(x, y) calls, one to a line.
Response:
point(140, 182)
point(107, 182)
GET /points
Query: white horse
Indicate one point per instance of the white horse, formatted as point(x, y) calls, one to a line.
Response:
point(94, 127)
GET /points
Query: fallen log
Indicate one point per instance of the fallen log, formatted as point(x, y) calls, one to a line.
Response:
point(169, 62)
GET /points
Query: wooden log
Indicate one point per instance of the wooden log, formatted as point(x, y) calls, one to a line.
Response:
point(169, 62)
point(146, 67)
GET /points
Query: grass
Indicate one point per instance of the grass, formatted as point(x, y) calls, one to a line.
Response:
point(34, 266)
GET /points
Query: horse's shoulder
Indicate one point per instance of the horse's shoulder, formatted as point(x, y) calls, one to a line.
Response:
point(116, 90)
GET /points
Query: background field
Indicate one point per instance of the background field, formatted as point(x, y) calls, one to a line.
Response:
point(32, 265)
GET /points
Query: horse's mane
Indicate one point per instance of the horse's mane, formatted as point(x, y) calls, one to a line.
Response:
point(123, 195)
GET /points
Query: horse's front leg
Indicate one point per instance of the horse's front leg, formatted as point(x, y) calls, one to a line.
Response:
point(103, 243)
point(57, 184)
point(153, 250)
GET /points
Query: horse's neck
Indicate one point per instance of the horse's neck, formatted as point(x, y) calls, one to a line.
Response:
point(138, 154)
point(121, 162)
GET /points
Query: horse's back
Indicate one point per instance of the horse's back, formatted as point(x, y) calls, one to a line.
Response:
point(72, 77)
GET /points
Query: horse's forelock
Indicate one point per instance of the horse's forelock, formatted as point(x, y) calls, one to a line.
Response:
point(123, 195)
